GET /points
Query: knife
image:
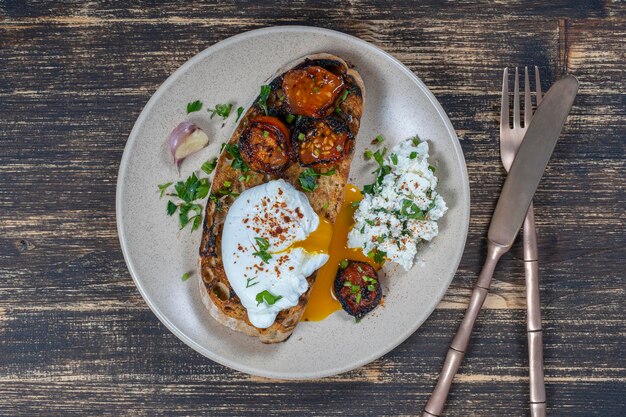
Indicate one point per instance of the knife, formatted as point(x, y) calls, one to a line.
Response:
point(518, 191)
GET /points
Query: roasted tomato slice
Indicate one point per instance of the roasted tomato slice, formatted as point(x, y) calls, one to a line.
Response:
point(357, 288)
point(265, 145)
point(311, 91)
point(320, 142)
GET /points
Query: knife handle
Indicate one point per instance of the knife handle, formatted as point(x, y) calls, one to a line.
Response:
point(533, 314)
point(459, 344)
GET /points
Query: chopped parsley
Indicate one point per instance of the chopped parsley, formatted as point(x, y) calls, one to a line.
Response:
point(432, 168)
point(308, 178)
point(325, 206)
point(413, 155)
point(262, 246)
point(355, 204)
point(227, 190)
point(185, 276)
point(378, 255)
point(238, 162)
point(187, 192)
point(194, 106)
point(268, 297)
point(249, 282)
point(301, 136)
point(394, 158)
point(266, 134)
point(411, 210)
point(367, 154)
point(378, 139)
point(343, 98)
point(163, 188)
point(222, 110)
point(358, 298)
point(416, 140)
point(171, 208)
point(290, 118)
point(209, 166)
point(239, 112)
point(343, 264)
point(265, 94)
point(380, 172)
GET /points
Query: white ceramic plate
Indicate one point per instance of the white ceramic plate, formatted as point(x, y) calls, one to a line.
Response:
point(397, 104)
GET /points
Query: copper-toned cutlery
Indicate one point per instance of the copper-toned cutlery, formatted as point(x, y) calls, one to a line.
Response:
point(517, 193)
point(510, 139)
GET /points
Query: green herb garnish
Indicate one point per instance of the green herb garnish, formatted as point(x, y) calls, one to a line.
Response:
point(432, 168)
point(325, 206)
point(308, 178)
point(367, 154)
point(222, 110)
point(379, 256)
point(209, 166)
point(343, 264)
point(171, 208)
point(354, 289)
point(239, 112)
point(416, 140)
point(268, 297)
point(394, 158)
point(265, 94)
point(355, 204)
point(185, 276)
point(262, 246)
point(378, 139)
point(290, 118)
point(301, 136)
point(411, 210)
point(194, 106)
point(358, 298)
point(238, 162)
point(249, 282)
point(163, 188)
point(413, 155)
point(371, 288)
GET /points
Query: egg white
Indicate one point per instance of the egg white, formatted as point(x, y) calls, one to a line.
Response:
point(282, 215)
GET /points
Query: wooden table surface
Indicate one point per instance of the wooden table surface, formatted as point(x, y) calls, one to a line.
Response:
point(77, 338)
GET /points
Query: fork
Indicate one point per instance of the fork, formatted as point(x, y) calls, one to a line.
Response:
point(510, 140)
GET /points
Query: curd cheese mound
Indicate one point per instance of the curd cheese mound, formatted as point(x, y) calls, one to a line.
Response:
point(401, 208)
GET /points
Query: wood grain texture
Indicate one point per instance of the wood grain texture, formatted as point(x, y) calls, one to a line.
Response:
point(75, 335)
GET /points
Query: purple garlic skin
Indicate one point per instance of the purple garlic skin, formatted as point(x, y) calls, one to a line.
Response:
point(185, 139)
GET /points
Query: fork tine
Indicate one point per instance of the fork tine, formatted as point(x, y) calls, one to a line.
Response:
point(516, 117)
point(504, 102)
point(528, 105)
point(538, 85)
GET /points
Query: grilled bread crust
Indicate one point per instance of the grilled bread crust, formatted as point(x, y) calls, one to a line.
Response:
point(218, 296)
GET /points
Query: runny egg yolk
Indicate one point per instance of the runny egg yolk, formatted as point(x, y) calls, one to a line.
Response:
point(333, 240)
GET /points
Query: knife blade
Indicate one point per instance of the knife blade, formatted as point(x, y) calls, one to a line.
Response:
point(531, 161)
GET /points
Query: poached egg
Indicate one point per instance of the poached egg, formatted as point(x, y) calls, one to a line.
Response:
point(271, 242)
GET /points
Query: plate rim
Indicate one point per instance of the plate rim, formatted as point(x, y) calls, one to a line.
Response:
point(132, 137)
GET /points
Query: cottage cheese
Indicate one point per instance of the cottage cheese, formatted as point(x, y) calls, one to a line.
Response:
point(403, 210)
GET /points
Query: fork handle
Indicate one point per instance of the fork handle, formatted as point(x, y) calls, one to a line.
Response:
point(533, 313)
point(459, 344)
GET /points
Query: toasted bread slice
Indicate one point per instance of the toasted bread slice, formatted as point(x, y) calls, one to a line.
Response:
point(216, 291)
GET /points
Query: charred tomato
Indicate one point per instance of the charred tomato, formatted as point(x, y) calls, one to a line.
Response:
point(319, 142)
point(357, 288)
point(311, 91)
point(265, 145)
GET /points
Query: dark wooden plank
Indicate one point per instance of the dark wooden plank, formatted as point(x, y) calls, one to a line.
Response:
point(75, 336)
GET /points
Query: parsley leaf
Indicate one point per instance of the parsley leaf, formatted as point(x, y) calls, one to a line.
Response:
point(222, 110)
point(171, 208)
point(209, 166)
point(432, 168)
point(163, 188)
point(268, 297)
point(262, 101)
point(413, 155)
point(238, 162)
point(308, 178)
point(186, 276)
point(379, 256)
point(378, 139)
point(394, 158)
point(239, 112)
point(411, 210)
point(416, 140)
point(262, 246)
point(249, 282)
point(194, 106)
